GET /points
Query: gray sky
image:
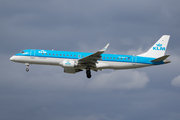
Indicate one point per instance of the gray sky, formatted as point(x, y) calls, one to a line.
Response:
point(130, 26)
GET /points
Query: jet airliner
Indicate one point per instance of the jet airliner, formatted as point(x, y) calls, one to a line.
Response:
point(74, 62)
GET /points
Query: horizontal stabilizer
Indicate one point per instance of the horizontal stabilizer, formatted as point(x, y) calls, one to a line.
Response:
point(160, 59)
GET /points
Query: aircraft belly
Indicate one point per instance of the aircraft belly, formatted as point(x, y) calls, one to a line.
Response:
point(119, 65)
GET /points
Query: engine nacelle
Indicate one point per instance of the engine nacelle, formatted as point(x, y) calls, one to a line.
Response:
point(71, 70)
point(68, 64)
point(72, 64)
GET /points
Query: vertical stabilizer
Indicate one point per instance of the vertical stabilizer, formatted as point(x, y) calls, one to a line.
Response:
point(158, 49)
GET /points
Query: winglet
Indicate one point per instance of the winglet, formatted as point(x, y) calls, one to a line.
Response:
point(104, 49)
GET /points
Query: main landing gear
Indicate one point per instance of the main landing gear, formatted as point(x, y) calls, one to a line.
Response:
point(88, 73)
point(27, 69)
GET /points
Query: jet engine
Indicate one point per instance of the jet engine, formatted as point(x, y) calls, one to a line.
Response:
point(72, 70)
point(68, 64)
point(72, 64)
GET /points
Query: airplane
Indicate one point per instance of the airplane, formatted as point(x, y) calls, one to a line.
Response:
point(74, 62)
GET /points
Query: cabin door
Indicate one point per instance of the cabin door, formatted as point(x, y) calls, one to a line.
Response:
point(134, 59)
point(32, 54)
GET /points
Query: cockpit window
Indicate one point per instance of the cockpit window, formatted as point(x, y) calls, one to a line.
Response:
point(22, 51)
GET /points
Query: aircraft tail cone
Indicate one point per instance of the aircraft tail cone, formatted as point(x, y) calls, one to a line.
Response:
point(166, 61)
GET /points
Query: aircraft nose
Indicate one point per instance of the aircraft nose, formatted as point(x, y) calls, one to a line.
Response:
point(12, 58)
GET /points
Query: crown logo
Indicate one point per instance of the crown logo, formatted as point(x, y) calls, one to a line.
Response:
point(159, 45)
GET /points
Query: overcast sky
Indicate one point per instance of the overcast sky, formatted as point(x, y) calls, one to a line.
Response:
point(47, 93)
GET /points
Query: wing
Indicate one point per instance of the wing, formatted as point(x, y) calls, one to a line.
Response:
point(91, 60)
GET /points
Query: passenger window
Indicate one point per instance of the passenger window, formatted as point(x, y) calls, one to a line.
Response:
point(107, 57)
point(53, 54)
point(67, 55)
point(49, 53)
point(42, 53)
point(71, 55)
point(60, 54)
point(74, 55)
point(46, 53)
point(129, 58)
point(64, 55)
point(57, 54)
point(110, 57)
point(124, 58)
point(114, 57)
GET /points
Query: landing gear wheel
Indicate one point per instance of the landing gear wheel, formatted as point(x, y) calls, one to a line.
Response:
point(27, 69)
point(88, 73)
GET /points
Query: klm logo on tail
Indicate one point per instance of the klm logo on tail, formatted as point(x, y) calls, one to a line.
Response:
point(159, 47)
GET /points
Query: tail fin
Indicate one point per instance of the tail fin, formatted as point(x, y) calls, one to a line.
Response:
point(158, 49)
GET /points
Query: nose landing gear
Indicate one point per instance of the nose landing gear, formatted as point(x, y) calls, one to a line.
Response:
point(88, 73)
point(27, 69)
